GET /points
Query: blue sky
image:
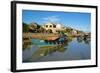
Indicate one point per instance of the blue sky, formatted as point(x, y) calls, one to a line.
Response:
point(80, 21)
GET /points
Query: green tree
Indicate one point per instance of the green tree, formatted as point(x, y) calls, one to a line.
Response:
point(25, 27)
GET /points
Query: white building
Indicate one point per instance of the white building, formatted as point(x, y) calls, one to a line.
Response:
point(53, 27)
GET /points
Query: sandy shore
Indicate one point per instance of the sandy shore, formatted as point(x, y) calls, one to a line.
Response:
point(43, 36)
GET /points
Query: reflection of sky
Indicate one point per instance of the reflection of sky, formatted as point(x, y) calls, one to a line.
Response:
point(81, 21)
point(73, 51)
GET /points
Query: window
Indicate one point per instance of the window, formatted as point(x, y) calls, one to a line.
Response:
point(46, 25)
point(54, 26)
point(50, 25)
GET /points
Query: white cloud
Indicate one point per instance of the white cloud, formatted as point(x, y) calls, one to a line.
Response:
point(52, 19)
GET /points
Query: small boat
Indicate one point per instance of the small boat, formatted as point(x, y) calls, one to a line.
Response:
point(52, 38)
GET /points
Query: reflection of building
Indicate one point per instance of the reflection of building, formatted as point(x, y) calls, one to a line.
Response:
point(53, 27)
point(74, 32)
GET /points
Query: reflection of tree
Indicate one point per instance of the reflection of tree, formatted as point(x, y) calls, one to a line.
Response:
point(62, 48)
point(87, 40)
point(80, 39)
point(83, 38)
point(26, 43)
point(46, 50)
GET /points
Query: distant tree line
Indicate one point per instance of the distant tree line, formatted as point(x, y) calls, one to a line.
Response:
point(33, 27)
point(36, 28)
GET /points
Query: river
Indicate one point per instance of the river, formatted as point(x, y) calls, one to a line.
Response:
point(72, 49)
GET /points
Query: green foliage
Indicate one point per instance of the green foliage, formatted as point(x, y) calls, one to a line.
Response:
point(49, 31)
point(25, 27)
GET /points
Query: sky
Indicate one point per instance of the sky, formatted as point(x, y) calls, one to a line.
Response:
point(76, 20)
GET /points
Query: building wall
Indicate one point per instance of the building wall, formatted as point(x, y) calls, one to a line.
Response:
point(50, 28)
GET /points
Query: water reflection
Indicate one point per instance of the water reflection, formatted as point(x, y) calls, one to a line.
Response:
point(27, 44)
point(81, 39)
point(44, 48)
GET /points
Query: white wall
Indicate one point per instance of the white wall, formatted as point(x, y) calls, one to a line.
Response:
point(5, 36)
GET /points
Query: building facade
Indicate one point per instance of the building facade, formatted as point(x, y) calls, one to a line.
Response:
point(54, 28)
